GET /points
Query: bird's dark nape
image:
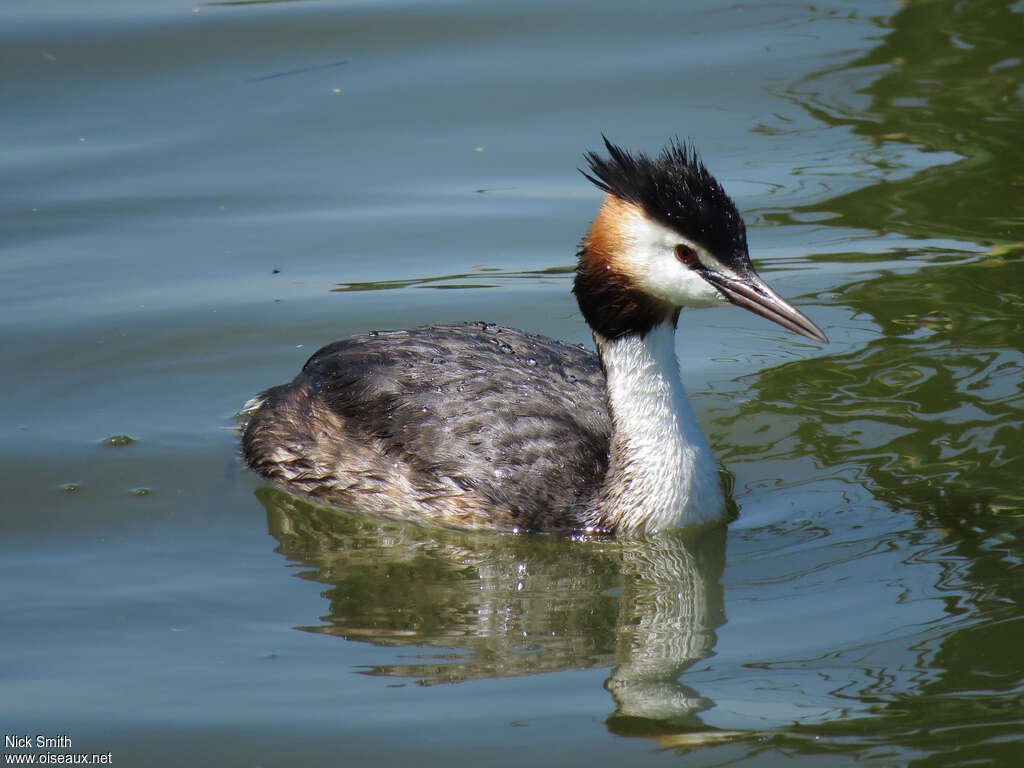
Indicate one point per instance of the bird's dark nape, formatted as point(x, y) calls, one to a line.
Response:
point(675, 189)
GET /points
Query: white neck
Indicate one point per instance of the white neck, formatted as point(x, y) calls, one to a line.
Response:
point(661, 474)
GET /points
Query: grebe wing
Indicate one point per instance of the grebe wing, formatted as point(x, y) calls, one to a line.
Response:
point(515, 417)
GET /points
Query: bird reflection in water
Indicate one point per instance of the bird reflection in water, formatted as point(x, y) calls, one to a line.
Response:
point(498, 605)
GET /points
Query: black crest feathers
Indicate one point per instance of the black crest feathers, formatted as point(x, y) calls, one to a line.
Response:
point(676, 190)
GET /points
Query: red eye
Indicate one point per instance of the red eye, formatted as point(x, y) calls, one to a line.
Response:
point(686, 255)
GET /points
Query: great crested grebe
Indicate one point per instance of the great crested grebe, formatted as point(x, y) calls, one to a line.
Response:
point(481, 426)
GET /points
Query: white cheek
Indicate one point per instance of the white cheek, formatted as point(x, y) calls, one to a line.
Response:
point(654, 267)
point(679, 285)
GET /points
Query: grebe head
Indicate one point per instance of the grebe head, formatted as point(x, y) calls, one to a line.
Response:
point(667, 236)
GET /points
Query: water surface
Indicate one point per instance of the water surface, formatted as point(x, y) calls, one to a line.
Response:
point(197, 197)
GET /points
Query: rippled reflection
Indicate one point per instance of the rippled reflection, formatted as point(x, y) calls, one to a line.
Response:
point(513, 605)
point(931, 412)
point(936, 106)
point(927, 417)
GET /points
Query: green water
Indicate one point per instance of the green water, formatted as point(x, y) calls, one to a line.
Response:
point(196, 198)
